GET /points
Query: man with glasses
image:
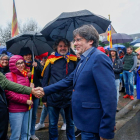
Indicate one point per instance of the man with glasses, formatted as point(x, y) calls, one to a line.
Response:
point(94, 98)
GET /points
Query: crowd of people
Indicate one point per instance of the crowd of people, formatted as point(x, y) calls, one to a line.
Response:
point(84, 88)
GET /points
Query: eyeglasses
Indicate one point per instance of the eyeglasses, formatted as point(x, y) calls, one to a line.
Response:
point(77, 40)
point(4, 59)
point(20, 63)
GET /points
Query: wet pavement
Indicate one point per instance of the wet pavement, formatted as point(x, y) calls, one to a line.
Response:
point(45, 135)
point(131, 130)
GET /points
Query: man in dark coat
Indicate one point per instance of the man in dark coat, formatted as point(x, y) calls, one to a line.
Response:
point(117, 67)
point(58, 66)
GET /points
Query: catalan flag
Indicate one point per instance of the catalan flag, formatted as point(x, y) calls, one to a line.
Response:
point(14, 31)
point(109, 37)
point(54, 57)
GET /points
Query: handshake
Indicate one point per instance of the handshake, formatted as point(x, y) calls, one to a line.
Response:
point(38, 92)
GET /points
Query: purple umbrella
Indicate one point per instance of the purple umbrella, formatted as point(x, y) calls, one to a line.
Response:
point(118, 38)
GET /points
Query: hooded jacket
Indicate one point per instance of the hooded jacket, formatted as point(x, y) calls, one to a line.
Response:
point(17, 102)
point(37, 70)
point(117, 64)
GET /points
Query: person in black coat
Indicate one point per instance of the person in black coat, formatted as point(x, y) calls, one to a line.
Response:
point(117, 67)
point(58, 66)
point(4, 63)
point(27, 55)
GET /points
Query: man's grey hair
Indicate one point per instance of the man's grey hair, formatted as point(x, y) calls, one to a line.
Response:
point(88, 32)
point(2, 55)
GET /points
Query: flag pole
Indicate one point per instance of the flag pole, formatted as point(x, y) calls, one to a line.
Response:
point(110, 25)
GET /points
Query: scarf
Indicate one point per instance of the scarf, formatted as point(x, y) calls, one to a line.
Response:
point(54, 57)
point(24, 73)
point(28, 64)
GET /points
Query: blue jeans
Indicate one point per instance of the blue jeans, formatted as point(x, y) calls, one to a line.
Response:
point(89, 136)
point(19, 125)
point(45, 112)
point(53, 121)
point(117, 83)
point(128, 82)
point(35, 107)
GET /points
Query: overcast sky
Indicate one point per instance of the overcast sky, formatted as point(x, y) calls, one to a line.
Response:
point(125, 14)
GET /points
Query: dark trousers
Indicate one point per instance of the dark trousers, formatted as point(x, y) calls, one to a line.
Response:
point(89, 136)
point(3, 120)
point(53, 121)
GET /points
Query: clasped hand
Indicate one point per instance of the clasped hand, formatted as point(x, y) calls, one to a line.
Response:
point(38, 92)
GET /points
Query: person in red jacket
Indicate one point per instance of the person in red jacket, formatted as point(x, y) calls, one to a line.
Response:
point(18, 104)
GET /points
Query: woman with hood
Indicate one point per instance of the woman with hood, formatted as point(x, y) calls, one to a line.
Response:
point(117, 67)
point(18, 104)
point(27, 56)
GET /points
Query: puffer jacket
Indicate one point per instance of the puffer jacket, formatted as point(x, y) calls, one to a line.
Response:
point(17, 102)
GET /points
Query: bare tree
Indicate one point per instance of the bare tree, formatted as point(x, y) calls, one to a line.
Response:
point(30, 25)
point(5, 33)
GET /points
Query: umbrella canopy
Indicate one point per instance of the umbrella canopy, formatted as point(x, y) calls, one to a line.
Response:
point(63, 25)
point(115, 46)
point(3, 48)
point(134, 42)
point(35, 41)
point(137, 45)
point(118, 38)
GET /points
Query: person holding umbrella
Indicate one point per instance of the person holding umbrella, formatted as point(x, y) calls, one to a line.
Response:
point(27, 55)
point(58, 66)
point(18, 104)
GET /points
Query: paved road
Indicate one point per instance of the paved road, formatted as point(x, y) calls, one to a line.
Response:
point(131, 130)
point(45, 135)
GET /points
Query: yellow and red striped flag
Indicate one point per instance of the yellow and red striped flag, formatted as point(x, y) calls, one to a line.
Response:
point(32, 77)
point(109, 37)
point(14, 31)
point(137, 50)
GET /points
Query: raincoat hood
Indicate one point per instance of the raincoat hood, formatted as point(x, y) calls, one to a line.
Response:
point(113, 49)
point(12, 63)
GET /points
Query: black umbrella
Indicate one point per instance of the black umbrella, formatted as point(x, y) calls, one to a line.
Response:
point(35, 41)
point(63, 25)
point(118, 38)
